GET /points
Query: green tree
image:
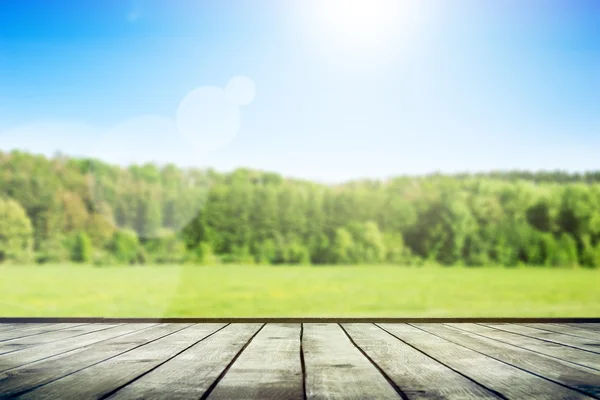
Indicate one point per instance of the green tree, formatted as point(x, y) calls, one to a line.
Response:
point(16, 233)
point(75, 213)
point(588, 253)
point(566, 254)
point(265, 252)
point(100, 230)
point(297, 254)
point(396, 252)
point(204, 255)
point(166, 248)
point(82, 248)
point(368, 244)
point(596, 258)
point(55, 249)
point(125, 246)
point(342, 247)
point(505, 217)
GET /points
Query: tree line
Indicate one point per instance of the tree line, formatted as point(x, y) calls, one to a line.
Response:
point(63, 209)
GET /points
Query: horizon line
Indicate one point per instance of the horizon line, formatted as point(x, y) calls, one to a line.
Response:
point(472, 173)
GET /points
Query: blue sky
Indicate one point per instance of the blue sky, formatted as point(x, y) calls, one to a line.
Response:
point(467, 85)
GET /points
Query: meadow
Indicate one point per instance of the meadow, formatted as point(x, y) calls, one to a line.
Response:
point(297, 291)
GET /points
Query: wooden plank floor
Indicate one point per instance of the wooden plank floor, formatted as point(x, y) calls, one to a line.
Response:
point(294, 360)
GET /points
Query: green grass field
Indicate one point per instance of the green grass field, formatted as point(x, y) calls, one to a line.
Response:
point(253, 291)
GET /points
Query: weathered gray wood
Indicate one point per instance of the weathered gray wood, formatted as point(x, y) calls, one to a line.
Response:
point(336, 369)
point(41, 373)
point(33, 354)
point(569, 354)
point(191, 373)
point(493, 374)
point(6, 327)
point(9, 327)
point(151, 360)
point(417, 375)
point(269, 368)
point(587, 326)
point(560, 338)
point(34, 330)
point(576, 377)
point(568, 330)
point(49, 337)
point(101, 379)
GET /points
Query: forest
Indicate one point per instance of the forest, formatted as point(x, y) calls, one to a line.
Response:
point(61, 209)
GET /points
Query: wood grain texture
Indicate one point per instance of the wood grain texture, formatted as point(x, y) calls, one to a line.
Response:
point(49, 337)
point(10, 327)
point(416, 374)
point(575, 377)
point(559, 351)
point(33, 354)
point(34, 330)
point(411, 360)
point(268, 368)
point(101, 379)
point(554, 337)
point(336, 369)
point(495, 375)
point(41, 373)
point(568, 330)
point(190, 374)
point(591, 326)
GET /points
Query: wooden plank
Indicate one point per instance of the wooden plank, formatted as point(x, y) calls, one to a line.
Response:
point(38, 374)
point(34, 330)
point(6, 327)
point(190, 374)
point(568, 330)
point(10, 327)
point(554, 337)
point(102, 379)
point(509, 381)
point(33, 354)
point(579, 378)
point(586, 326)
point(335, 368)
point(49, 337)
point(268, 368)
point(559, 351)
point(416, 374)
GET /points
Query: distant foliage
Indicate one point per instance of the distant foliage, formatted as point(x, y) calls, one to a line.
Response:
point(126, 247)
point(81, 210)
point(343, 246)
point(55, 249)
point(82, 248)
point(166, 248)
point(203, 254)
point(16, 233)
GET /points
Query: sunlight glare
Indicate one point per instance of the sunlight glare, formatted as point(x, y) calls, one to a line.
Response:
point(361, 22)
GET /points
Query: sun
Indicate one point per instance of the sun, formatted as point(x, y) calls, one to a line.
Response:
point(361, 22)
